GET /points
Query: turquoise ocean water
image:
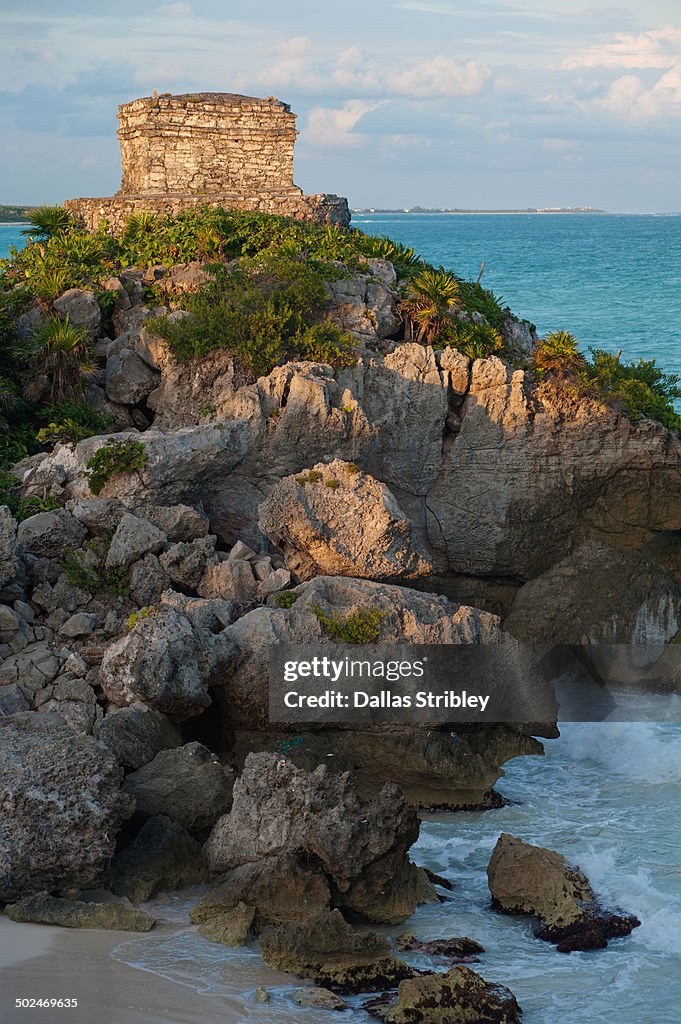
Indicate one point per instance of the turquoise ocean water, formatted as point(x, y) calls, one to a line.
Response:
point(607, 795)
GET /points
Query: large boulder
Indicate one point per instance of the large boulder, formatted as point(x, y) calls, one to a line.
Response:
point(404, 616)
point(162, 857)
point(128, 379)
point(63, 913)
point(51, 534)
point(334, 520)
point(133, 539)
point(169, 658)
point(361, 846)
point(187, 784)
point(284, 887)
point(80, 307)
point(136, 734)
point(459, 996)
point(331, 953)
point(9, 563)
point(536, 467)
point(526, 879)
point(598, 595)
point(61, 806)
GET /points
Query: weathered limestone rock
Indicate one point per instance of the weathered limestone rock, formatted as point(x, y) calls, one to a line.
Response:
point(79, 625)
point(185, 563)
point(81, 308)
point(598, 595)
point(231, 580)
point(188, 784)
point(9, 564)
point(534, 468)
point(321, 997)
point(337, 521)
point(332, 954)
point(128, 379)
point(460, 996)
point(60, 806)
point(526, 879)
point(284, 887)
point(362, 847)
point(407, 616)
point(148, 581)
point(166, 661)
point(51, 533)
point(45, 909)
point(162, 857)
point(133, 539)
point(73, 699)
point(232, 928)
point(177, 467)
point(100, 516)
point(451, 949)
point(136, 734)
point(365, 307)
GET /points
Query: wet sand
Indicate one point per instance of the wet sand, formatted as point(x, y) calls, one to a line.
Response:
point(37, 961)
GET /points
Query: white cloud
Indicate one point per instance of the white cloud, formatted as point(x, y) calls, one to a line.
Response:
point(354, 71)
point(334, 126)
point(659, 48)
point(174, 10)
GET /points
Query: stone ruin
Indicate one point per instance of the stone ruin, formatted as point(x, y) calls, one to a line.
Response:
point(209, 148)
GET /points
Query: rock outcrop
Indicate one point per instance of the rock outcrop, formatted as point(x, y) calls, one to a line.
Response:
point(526, 879)
point(45, 909)
point(361, 847)
point(334, 520)
point(61, 806)
point(161, 858)
point(460, 996)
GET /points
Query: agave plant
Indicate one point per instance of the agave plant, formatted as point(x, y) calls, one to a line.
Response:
point(59, 361)
point(139, 224)
point(433, 294)
point(48, 221)
point(558, 353)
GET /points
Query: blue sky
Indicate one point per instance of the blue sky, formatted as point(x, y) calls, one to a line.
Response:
point(490, 103)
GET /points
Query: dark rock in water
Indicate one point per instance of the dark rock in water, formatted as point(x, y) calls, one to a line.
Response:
point(452, 949)
point(321, 997)
point(458, 997)
point(360, 846)
point(526, 879)
point(231, 928)
point(162, 857)
point(281, 888)
point(592, 932)
point(61, 806)
point(45, 909)
point(188, 784)
point(333, 954)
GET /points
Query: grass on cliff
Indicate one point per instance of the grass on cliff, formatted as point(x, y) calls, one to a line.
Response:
point(265, 311)
point(640, 388)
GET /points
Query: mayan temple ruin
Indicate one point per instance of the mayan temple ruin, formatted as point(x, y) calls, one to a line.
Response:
point(216, 149)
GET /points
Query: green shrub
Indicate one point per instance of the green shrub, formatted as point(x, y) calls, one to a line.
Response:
point(473, 298)
point(477, 341)
point(359, 627)
point(286, 600)
point(96, 578)
point(642, 388)
point(32, 505)
point(114, 457)
point(558, 353)
point(69, 422)
point(59, 361)
point(333, 484)
point(47, 221)
point(144, 613)
point(265, 313)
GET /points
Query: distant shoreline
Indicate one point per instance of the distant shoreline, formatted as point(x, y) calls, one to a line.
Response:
point(486, 213)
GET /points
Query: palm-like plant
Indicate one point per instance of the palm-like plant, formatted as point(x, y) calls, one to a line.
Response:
point(48, 221)
point(59, 361)
point(433, 294)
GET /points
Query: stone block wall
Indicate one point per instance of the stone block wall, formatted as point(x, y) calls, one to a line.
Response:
point(208, 143)
point(214, 149)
